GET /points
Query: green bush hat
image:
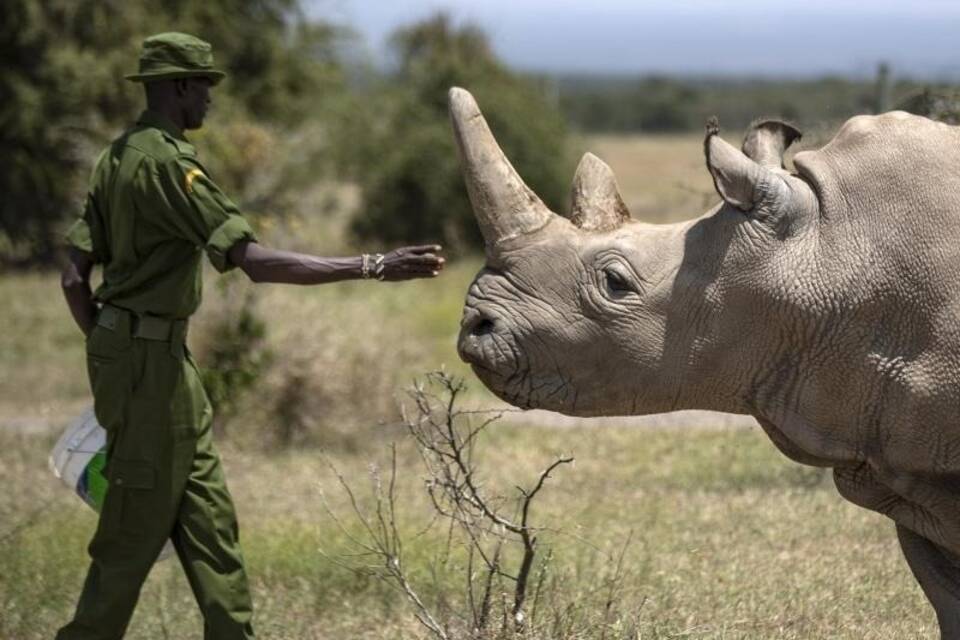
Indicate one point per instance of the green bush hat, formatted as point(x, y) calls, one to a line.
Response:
point(168, 56)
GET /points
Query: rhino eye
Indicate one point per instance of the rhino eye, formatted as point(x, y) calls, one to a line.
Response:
point(617, 282)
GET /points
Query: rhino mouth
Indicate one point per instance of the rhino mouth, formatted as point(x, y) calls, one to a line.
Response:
point(496, 359)
point(527, 391)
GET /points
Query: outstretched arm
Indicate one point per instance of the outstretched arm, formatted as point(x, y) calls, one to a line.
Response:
point(263, 264)
point(75, 281)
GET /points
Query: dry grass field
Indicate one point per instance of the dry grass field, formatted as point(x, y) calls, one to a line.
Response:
point(662, 178)
point(722, 537)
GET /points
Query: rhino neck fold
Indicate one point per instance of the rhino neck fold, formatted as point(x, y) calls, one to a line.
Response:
point(731, 330)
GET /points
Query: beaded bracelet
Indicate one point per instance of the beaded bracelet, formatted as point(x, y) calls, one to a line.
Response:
point(372, 266)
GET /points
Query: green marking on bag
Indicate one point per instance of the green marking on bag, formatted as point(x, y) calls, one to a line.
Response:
point(92, 486)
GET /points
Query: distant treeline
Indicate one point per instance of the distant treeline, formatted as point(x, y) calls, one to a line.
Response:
point(665, 104)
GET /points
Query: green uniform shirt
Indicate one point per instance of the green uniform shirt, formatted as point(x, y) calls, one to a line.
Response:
point(151, 212)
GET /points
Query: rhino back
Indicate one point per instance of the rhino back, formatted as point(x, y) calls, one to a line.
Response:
point(895, 170)
point(889, 193)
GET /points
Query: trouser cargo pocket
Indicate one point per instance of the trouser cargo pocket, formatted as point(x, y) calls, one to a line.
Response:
point(130, 506)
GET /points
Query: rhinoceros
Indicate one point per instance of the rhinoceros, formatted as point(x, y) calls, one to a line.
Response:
point(823, 302)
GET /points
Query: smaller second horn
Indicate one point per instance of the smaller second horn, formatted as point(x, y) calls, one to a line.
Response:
point(595, 202)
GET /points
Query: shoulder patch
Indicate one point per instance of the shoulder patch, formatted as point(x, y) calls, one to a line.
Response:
point(191, 176)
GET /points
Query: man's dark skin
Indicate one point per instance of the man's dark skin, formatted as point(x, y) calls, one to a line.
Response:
point(185, 102)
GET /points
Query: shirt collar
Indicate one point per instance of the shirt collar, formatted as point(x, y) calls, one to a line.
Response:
point(153, 119)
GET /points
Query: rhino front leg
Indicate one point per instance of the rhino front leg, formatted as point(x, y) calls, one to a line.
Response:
point(935, 568)
point(938, 573)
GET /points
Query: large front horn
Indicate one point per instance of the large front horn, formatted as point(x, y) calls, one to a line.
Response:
point(505, 207)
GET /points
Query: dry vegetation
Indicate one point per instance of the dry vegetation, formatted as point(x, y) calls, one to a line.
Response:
point(727, 539)
point(662, 178)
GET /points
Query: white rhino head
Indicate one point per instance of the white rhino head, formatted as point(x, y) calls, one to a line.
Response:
point(599, 314)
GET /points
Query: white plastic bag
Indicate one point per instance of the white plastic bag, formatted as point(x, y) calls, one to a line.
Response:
point(78, 459)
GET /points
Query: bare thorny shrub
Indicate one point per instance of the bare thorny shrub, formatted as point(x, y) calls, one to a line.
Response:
point(509, 589)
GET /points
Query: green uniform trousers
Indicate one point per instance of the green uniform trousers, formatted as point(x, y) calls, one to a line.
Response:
point(166, 481)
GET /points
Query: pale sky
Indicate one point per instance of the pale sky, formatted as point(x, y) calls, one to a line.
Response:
point(773, 37)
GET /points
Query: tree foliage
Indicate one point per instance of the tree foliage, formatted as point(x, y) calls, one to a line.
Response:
point(938, 103)
point(62, 92)
point(403, 151)
point(671, 104)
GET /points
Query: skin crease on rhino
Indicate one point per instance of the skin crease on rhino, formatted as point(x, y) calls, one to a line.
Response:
point(825, 303)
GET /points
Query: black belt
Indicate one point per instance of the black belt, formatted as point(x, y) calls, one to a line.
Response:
point(142, 326)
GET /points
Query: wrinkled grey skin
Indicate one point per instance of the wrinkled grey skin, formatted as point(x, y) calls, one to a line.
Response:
point(825, 303)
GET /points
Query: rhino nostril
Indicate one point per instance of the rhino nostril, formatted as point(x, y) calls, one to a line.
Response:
point(483, 327)
point(477, 323)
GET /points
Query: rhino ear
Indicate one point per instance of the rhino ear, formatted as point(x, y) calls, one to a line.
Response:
point(595, 202)
point(767, 140)
point(735, 176)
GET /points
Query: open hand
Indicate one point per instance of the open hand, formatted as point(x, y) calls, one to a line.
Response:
point(407, 263)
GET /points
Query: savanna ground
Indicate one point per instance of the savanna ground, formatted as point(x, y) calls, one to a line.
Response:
point(721, 536)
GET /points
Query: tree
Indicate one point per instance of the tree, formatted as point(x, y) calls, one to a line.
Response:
point(63, 96)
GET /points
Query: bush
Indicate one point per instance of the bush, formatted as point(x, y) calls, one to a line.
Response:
point(330, 373)
point(495, 576)
point(941, 104)
point(233, 352)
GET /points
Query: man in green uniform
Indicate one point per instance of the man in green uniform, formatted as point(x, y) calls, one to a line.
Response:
point(151, 213)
